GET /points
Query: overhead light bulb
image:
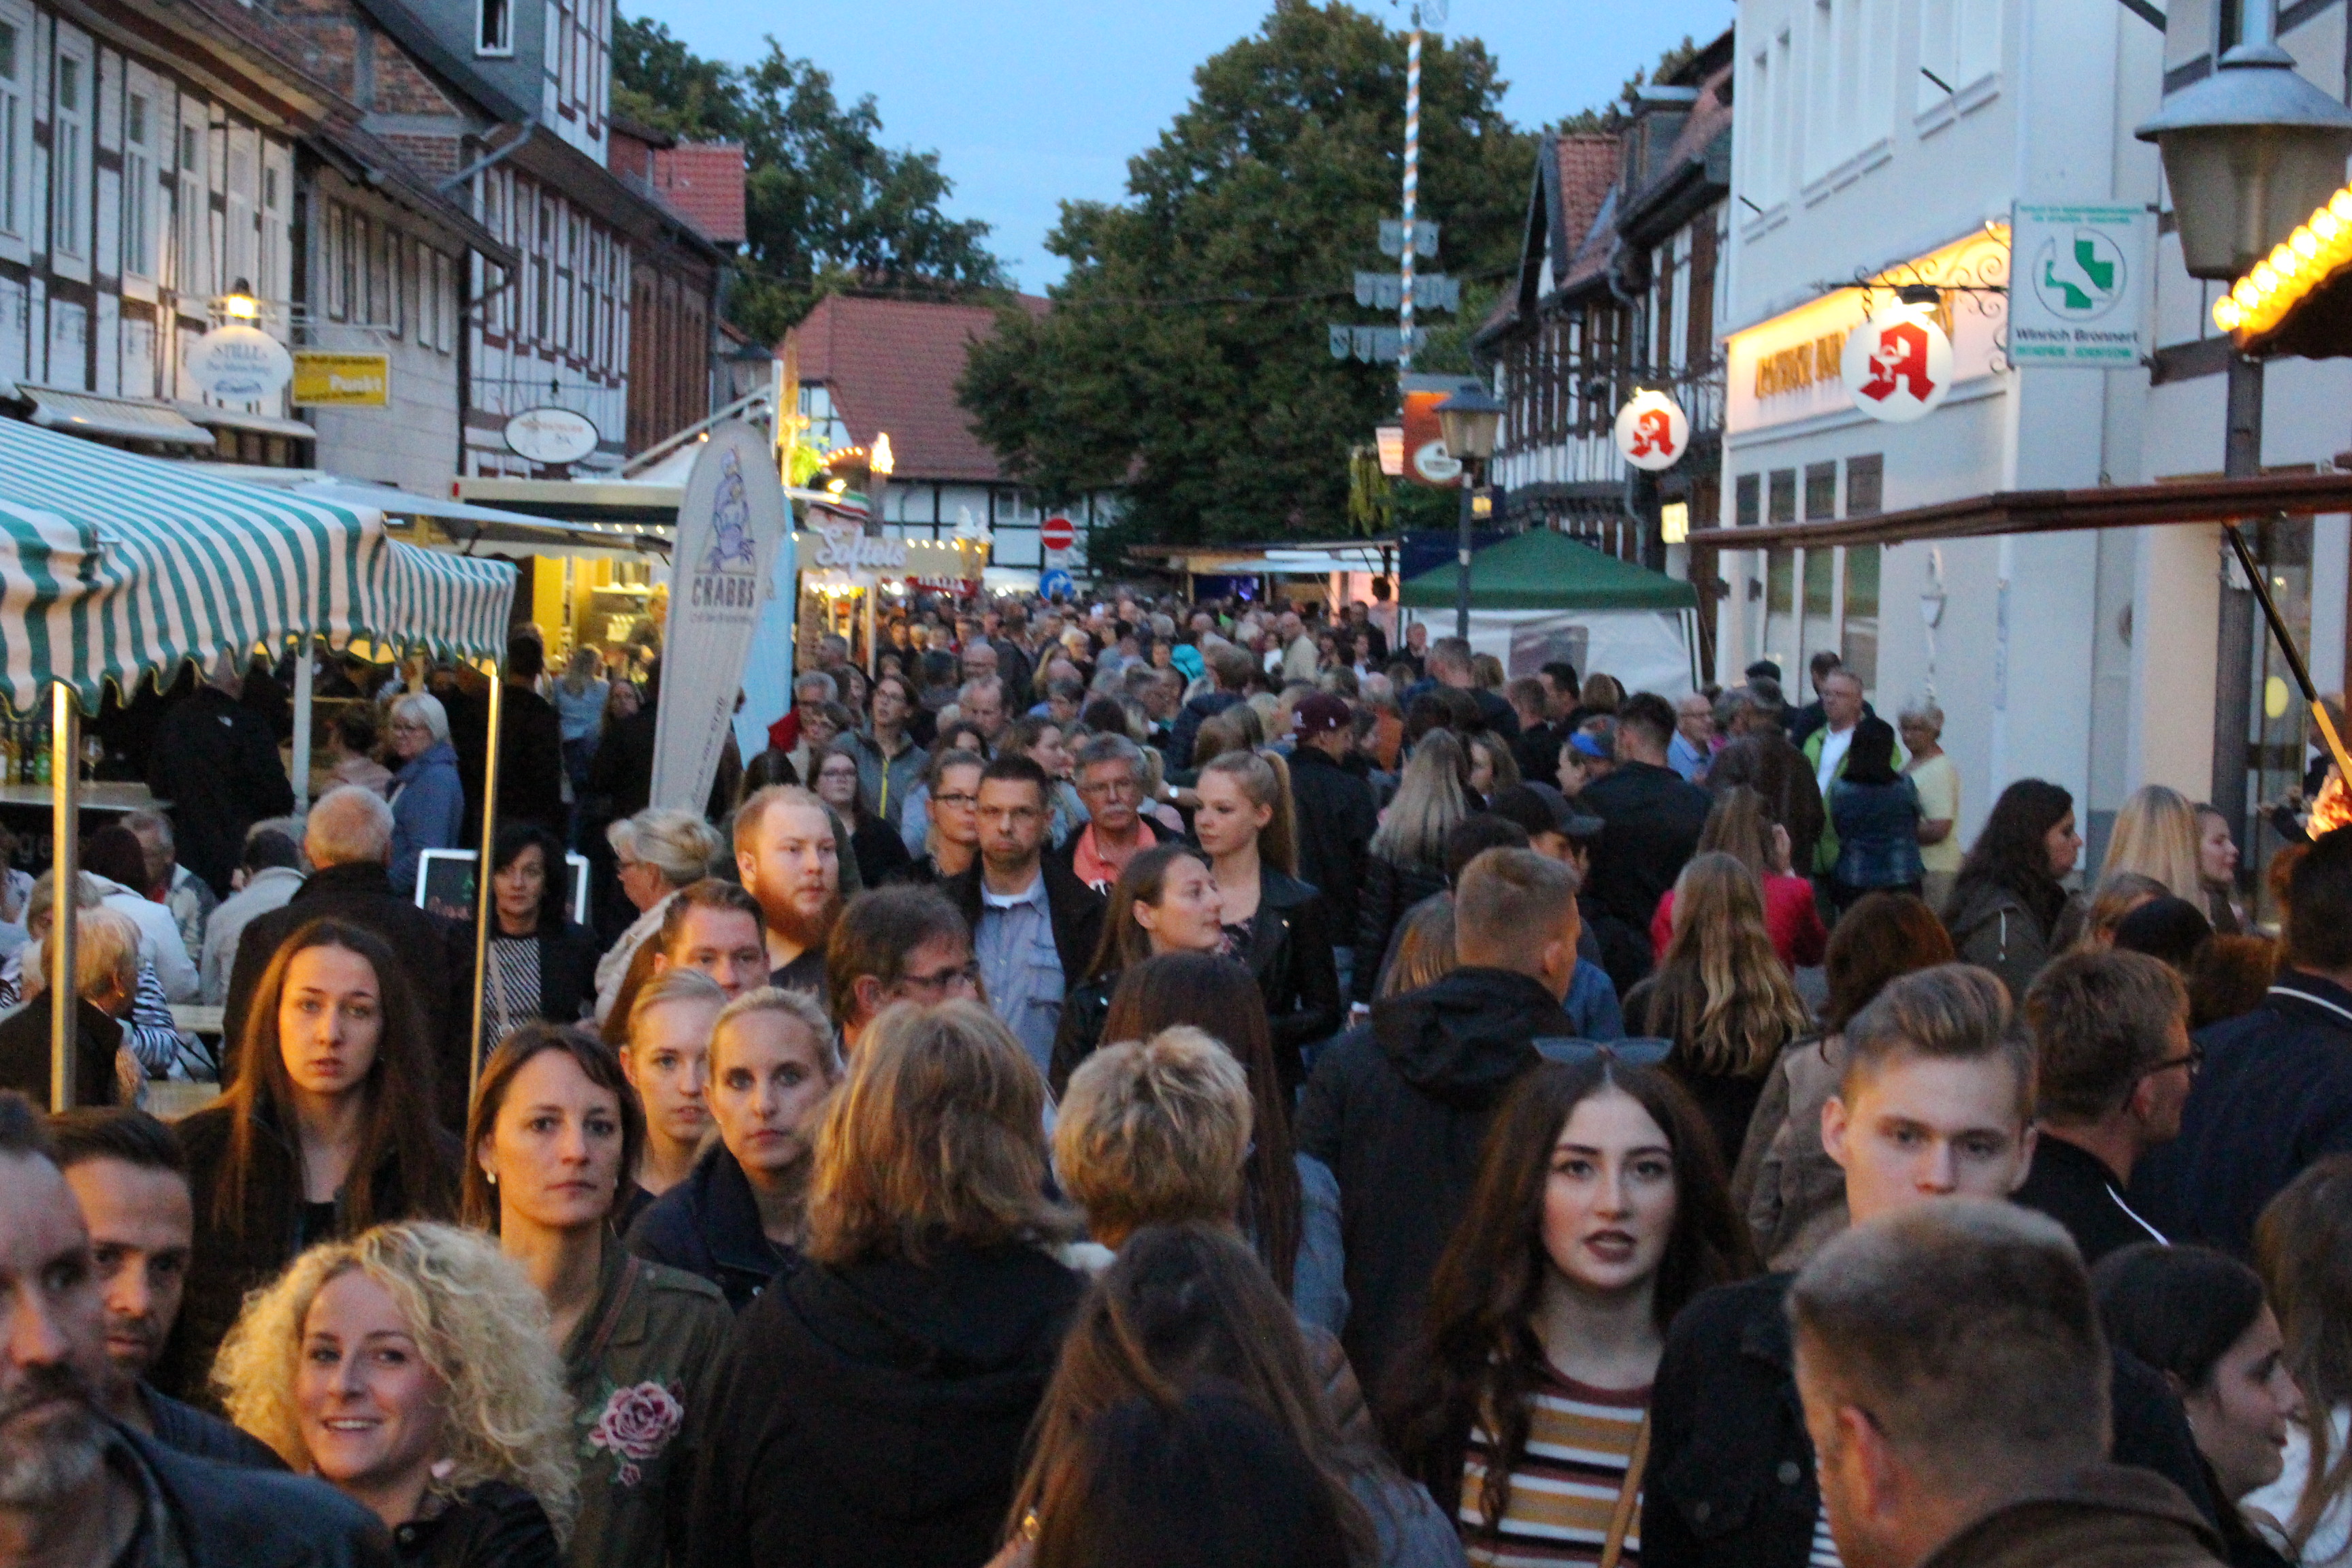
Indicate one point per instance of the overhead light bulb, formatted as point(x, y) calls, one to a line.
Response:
point(2227, 315)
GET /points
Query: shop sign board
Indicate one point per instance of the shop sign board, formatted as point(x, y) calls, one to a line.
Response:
point(1652, 431)
point(239, 363)
point(2078, 284)
point(730, 523)
point(1898, 364)
point(854, 550)
point(552, 437)
point(323, 380)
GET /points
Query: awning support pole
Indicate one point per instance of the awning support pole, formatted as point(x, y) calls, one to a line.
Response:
point(297, 768)
point(2301, 671)
point(65, 913)
point(485, 899)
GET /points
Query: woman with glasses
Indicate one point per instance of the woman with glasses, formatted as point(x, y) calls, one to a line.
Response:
point(1165, 901)
point(428, 800)
point(1599, 1210)
point(881, 857)
point(656, 852)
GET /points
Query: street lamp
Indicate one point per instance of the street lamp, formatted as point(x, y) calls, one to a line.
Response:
point(1468, 420)
point(2249, 151)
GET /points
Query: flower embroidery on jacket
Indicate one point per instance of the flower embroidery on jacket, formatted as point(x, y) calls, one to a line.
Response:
point(636, 1426)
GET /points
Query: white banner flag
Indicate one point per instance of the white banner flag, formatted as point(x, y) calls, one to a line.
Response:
point(728, 528)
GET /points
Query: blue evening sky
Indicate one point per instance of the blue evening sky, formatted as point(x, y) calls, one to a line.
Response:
point(1030, 103)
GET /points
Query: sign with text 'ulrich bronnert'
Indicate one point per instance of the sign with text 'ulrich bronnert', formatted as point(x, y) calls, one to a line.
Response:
point(2078, 284)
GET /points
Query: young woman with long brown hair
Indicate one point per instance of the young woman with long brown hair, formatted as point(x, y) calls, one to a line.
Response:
point(1599, 1210)
point(1165, 901)
point(1407, 862)
point(1721, 995)
point(328, 1129)
point(1276, 925)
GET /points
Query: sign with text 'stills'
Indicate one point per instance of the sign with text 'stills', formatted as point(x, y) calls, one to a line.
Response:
point(323, 380)
point(2078, 284)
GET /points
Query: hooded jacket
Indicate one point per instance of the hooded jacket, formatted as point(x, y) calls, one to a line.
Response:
point(1398, 1110)
point(2102, 1516)
point(710, 1224)
point(878, 1410)
point(1991, 926)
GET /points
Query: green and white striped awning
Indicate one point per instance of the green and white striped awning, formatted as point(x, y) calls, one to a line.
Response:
point(114, 566)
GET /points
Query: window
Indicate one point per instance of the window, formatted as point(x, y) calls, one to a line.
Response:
point(138, 187)
point(274, 276)
point(1748, 500)
point(1960, 46)
point(241, 226)
point(1865, 481)
point(1820, 492)
point(195, 278)
point(15, 143)
point(1859, 643)
point(494, 28)
point(1784, 495)
point(69, 159)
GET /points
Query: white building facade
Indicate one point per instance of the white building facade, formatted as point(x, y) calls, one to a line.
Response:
point(1887, 141)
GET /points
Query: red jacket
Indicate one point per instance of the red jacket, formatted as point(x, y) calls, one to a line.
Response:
point(1791, 919)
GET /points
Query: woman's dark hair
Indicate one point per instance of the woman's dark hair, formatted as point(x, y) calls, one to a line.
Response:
point(2011, 852)
point(1204, 1481)
point(772, 766)
point(1221, 998)
point(1479, 1360)
point(2179, 1309)
point(1187, 1307)
point(355, 728)
point(945, 740)
point(113, 852)
point(513, 838)
point(1870, 755)
point(1144, 881)
point(2170, 929)
point(598, 1063)
point(398, 1090)
point(859, 810)
point(1882, 937)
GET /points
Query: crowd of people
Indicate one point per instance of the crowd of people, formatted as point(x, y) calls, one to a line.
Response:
point(1175, 1084)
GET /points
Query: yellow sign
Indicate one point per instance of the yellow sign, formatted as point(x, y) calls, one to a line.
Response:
point(342, 381)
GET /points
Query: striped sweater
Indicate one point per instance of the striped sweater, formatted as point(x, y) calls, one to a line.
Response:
point(1564, 1489)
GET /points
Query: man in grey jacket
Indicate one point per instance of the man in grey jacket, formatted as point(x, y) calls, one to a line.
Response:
point(272, 868)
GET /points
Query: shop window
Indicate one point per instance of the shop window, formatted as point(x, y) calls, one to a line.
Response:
point(1748, 500)
point(1783, 486)
point(1865, 485)
point(1820, 492)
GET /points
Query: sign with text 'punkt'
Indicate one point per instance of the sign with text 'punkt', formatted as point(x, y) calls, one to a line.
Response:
point(2078, 284)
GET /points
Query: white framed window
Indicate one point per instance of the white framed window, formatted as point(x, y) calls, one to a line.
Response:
point(69, 155)
point(16, 130)
point(140, 127)
point(242, 198)
point(1960, 46)
point(277, 234)
point(194, 277)
point(494, 26)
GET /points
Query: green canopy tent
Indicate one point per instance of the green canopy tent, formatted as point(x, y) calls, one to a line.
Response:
point(115, 568)
point(1545, 570)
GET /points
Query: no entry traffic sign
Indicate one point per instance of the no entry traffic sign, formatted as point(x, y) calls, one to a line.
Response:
point(1057, 533)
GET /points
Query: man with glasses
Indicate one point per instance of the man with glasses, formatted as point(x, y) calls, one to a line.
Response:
point(951, 799)
point(2113, 1067)
point(895, 944)
point(1110, 783)
point(1034, 925)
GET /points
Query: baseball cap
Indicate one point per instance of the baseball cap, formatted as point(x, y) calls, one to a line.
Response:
point(1540, 808)
point(1318, 713)
point(1763, 667)
point(1589, 746)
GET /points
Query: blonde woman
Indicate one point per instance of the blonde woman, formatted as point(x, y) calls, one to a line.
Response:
point(656, 853)
point(2156, 835)
point(1276, 926)
point(410, 1368)
point(1721, 995)
point(1408, 859)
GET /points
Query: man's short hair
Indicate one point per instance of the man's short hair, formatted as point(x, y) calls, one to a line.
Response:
point(1155, 1132)
point(753, 814)
point(816, 680)
point(876, 932)
point(1649, 715)
point(2319, 905)
point(1475, 835)
point(798, 1006)
point(114, 1133)
point(350, 825)
point(1527, 693)
point(526, 656)
point(1953, 1012)
point(21, 1132)
point(1110, 747)
point(1230, 666)
point(971, 689)
point(1823, 662)
point(2100, 1021)
point(266, 849)
point(1966, 1329)
point(1014, 765)
point(1452, 653)
point(1507, 905)
point(710, 893)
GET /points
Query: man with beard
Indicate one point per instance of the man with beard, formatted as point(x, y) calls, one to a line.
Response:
point(1034, 925)
point(791, 862)
point(131, 1179)
point(81, 1491)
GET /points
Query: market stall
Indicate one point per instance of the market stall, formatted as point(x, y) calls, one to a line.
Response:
point(116, 568)
point(847, 577)
point(1540, 596)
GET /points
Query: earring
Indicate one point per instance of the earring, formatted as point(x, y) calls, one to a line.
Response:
point(491, 1176)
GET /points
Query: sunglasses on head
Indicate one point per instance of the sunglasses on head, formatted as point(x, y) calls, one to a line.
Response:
point(1636, 1052)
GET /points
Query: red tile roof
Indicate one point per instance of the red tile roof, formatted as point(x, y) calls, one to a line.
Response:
point(702, 182)
point(893, 364)
point(1588, 165)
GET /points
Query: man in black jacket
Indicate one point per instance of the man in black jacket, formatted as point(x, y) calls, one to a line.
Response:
point(1397, 1108)
point(1337, 812)
point(1937, 1101)
point(84, 1488)
point(2276, 1091)
point(531, 745)
point(1232, 668)
point(349, 840)
point(216, 762)
point(1652, 818)
point(2113, 1064)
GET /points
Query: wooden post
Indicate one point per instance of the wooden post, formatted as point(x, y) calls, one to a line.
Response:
point(299, 769)
point(485, 902)
point(65, 800)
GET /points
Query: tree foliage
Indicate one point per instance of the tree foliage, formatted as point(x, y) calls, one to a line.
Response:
point(1612, 115)
point(1187, 358)
point(828, 206)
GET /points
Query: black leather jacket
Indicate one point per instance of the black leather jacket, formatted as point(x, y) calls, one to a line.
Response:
point(1290, 953)
point(229, 1517)
point(1389, 889)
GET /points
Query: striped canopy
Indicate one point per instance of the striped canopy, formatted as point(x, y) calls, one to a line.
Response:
point(114, 566)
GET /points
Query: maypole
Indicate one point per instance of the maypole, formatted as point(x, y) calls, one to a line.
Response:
point(1412, 194)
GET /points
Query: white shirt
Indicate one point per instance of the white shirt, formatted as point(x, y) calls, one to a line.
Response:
point(1834, 743)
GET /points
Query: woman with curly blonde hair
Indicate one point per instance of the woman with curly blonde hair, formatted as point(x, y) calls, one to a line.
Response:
point(411, 1368)
point(1721, 994)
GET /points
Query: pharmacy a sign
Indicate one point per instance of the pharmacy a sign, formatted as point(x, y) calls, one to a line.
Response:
point(2078, 284)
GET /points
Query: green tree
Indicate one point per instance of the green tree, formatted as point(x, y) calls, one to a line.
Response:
point(828, 206)
point(1187, 358)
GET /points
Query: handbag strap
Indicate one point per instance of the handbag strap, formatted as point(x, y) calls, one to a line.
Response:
point(634, 1268)
point(1629, 1497)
